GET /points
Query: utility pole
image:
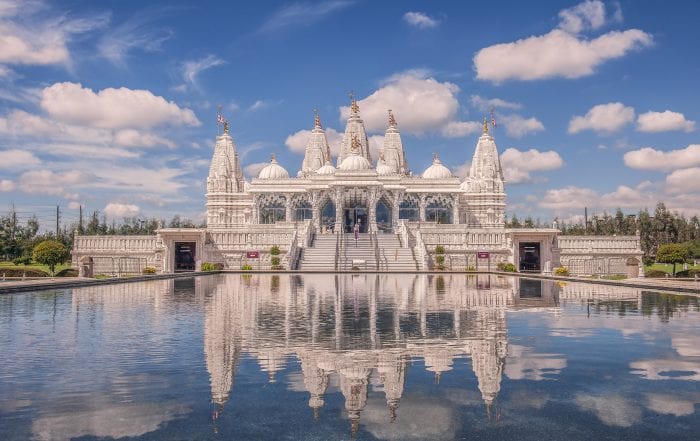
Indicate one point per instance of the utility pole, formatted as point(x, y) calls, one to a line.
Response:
point(585, 217)
point(80, 220)
point(58, 217)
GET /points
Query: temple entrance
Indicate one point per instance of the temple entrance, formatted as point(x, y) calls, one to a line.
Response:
point(185, 253)
point(384, 223)
point(355, 215)
point(328, 217)
point(530, 256)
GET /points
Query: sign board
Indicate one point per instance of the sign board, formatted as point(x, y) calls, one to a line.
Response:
point(252, 254)
point(482, 255)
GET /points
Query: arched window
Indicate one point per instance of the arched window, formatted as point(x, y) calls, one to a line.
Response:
point(272, 209)
point(303, 211)
point(328, 215)
point(408, 209)
point(438, 211)
point(383, 216)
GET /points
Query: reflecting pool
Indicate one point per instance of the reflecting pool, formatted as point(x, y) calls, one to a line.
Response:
point(324, 357)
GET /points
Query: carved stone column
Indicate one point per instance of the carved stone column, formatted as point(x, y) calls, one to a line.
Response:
point(372, 200)
point(338, 201)
point(455, 209)
point(288, 207)
point(316, 210)
point(256, 209)
point(395, 202)
point(421, 207)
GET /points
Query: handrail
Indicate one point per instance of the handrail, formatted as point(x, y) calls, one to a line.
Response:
point(337, 249)
point(422, 251)
point(403, 232)
point(375, 243)
point(293, 251)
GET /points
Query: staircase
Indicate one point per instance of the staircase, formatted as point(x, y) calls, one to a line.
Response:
point(362, 249)
point(321, 255)
point(392, 257)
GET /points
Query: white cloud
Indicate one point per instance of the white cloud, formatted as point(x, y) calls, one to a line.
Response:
point(6, 185)
point(518, 126)
point(135, 138)
point(683, 181)
point(258, 105)
point(569, 197)
point(555, 54)
point(301, 14)
point(252, 170)
point(420, 104)
point(73, 205)
point(606, 118)
point(586, 15)
point(517, 164)
point(648, 158)
point(459, 129)
point(523, 363)
point(297, 141)
point(138, 33)
point(665, 121)
point(54, 183)
point(611, 410)
point(112, 108)
point(462, 170)
point(17, 159)
point(420, 20)
point(488, 103)
point(629, 197)
point(191, 69)
point(116, 209)
point(375, 144)
point(670, 404)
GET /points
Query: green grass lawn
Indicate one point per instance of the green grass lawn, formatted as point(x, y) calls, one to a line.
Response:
point(8, 264)
point(667, 267)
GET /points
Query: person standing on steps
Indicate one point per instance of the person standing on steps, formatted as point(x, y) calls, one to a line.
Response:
point(356, 231)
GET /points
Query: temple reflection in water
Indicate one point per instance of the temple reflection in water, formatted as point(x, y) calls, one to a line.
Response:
point(347, 326)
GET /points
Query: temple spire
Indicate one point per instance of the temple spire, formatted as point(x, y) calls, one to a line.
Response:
point(354, 108)
point(392, 120)
point(317, 120)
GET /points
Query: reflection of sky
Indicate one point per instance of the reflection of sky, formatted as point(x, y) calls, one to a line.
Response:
point(145, 360)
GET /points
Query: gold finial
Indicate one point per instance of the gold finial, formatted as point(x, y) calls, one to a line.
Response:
point(353, 103)
point(317, 120)
point(355, 144)
point(486, 127)
point(273, 157)
point(226, 127)
point(392, 120)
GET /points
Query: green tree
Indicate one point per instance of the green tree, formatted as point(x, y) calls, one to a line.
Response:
point(50, 253)
point(672, 253)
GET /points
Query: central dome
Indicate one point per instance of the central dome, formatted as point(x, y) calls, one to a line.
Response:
point(437, 170)
point(355, 162)
point(273, 171)
point(327, 169)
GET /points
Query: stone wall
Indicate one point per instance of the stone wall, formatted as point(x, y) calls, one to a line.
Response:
point(600, 255)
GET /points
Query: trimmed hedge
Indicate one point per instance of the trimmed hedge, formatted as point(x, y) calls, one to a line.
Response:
point(656, 273)
point(148, 270)
point(209, 266)
point(20, 272)
point(562, 271)
point(506, 267)
point(68, 272)
point(688, 273)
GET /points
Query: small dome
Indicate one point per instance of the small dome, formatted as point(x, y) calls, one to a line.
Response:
point(327, 169)
point(355, 162)
point(273, 171)
point(437, 170)
point(383, 169)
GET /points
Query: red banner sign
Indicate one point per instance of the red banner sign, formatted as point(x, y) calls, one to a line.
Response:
point(482, 255)
point(252, 254)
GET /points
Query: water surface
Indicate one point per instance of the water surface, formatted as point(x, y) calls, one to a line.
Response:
point(324, 357)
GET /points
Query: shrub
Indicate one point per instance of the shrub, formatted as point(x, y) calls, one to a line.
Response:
point(275, 250)
point(275, 261)
point(209, 266)
point(21, 272)
point(562, 271)
point(648, 261)
point(247, 267)
point(614, 277)
point(50, 253)
point(439, 249)
point(672, 253)
point(688, 273)
point(68, 272)
point(24, 260)
point(506, 267)
point(149, 270)
point(656, 273)
point(440, 261)
point(471, 268)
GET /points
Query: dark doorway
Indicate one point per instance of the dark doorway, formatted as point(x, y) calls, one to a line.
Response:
point(185, 253)
point(356, 215)
point(530, 288)
point(530, 256)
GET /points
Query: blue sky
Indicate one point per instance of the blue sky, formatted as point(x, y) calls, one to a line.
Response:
point(112, 105)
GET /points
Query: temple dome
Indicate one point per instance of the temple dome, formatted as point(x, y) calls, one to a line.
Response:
point(326, 169)
point(383, 169)
point(355, 162)
point(273, 171)
point(437, 170)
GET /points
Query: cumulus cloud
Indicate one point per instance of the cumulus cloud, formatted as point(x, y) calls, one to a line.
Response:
point(611, 410)
point(523, 363)
point(568, 197)
point(17, 159)
point(681, 181)
point(517, 165)
point(419, 103)
point(648, 158)
point(495, 103)
point(297, 141)
point(420, 20)
point(135, 138)
point(54, 183)
point(665, 121)
point(6, 185)
point(586, 15)
point(112, 108)
point(29, 39)
point(116, 209)
point(518, 126)
point(191, 69)
point(462, 170)
point(252, 170)
point(561, 52)
point(606, 118)
point(459, 129)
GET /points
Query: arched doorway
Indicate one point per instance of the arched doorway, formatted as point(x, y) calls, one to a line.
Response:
point(355, 215)
point(328, 217)
point(384, 221)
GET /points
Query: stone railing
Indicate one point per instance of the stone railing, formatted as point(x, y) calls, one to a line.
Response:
point(421, 252)
point(461, 237)
point(403, 233)
point(599, 244)
point(113, 244)
point(293, 253)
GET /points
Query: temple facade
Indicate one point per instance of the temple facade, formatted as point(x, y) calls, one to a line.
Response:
point(357, 214)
